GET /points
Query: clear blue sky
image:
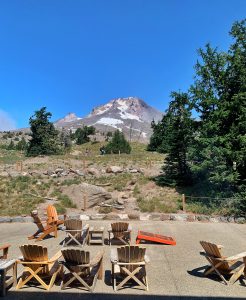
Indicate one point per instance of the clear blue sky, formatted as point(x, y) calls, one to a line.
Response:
point(73, 55)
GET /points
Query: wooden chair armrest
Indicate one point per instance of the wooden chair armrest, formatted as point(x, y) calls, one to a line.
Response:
point(55, 257)
point(97, 258)
point(235, 257)
point(211, 256)
point(86, 227)
point(32, 262)
point(5, 246)
point(113, 255)
point(140, 263)
point(73, 230)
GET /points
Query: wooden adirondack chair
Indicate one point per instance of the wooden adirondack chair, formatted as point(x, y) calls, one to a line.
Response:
point(121, 231)
point(130, 263)
point(38, 266)
point(44, 229)
point(76, 233)
point(222, 265)
point(5, 249)
point(81, 268)
point(52, 216)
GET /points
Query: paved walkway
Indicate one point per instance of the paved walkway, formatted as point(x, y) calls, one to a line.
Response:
point(174, 271)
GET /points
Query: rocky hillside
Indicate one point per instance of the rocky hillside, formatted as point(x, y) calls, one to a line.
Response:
point(130, 115)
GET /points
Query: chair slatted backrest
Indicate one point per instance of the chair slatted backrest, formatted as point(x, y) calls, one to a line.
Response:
point(35, 253)
point(131, 254)
point(51, 214)
point(73, 224)
point(119, 228)
point(76, 258)
point(37, 221)
point(214, 251)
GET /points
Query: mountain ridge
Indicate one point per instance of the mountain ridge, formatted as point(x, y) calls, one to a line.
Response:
point(131, 115)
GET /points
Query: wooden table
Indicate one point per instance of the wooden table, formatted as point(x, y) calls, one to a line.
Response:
point(96, 235)
point(6, 279)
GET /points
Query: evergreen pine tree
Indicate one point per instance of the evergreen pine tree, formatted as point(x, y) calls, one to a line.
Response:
point(118, 144)
point(11, 146)
point(21, 145)
point(44, 136)
point(82, 134)
point(179, 133)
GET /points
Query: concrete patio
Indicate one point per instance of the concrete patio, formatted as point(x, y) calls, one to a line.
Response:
point(174, 272)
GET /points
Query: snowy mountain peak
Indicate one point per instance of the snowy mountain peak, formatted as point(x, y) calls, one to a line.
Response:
point(130, 115)
point(70, 117)
point(131, 108)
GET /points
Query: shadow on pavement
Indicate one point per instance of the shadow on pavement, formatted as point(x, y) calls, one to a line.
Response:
point(22, 295)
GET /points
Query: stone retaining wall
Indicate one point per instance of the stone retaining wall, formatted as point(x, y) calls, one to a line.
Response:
point(141, 217)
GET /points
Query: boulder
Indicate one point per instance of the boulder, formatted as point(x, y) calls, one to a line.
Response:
point(80, 173)
point(114, 169)
point(133, 181)
point(93, 171)
point(120, 201)
point(98, 216)
point(84, 217)
point(64, 173)
point(91, 194)
point(48, 172)
point(59, 170)
point(34, 173)
point(112, 216)
point(240, 220)
point(14, 174)
point(5, 219)
point(54, 175)
point(133, 216)
point(4, 174)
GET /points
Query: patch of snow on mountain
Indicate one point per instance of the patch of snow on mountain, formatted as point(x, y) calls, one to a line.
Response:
point(122, 105)
point(110, 121)
point(125, 115)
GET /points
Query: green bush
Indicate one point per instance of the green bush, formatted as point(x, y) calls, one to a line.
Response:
point(118, 144)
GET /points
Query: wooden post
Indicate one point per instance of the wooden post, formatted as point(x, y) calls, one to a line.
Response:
point(183, 202)
point(19, 166)
point(85, 201)
point(119, 152)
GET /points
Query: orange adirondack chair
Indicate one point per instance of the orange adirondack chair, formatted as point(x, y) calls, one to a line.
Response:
point(44, 229)
point(52, 216)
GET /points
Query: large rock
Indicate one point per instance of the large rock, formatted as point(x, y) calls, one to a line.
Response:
point(4, 174)
point(84, 192)
point(114, 169)
point(14, 174)
point(93, 171)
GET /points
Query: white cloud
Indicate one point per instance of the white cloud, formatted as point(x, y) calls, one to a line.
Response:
point(6, 122)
